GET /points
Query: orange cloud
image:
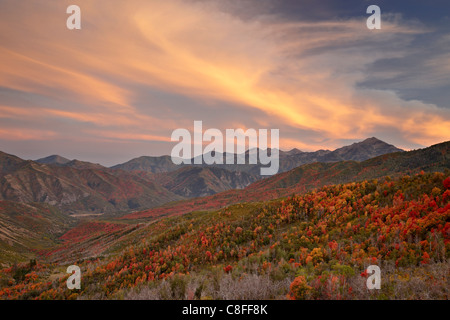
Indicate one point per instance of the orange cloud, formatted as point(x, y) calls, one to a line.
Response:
point(302, 75)
point(27, 134)
point(130, 136)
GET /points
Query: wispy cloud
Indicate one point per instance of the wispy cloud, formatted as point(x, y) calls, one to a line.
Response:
point(135, 63)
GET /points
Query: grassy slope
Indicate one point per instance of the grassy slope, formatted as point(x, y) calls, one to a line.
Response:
point(25, 226)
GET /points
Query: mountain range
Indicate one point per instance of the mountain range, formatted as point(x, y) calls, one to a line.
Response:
point(80, 187)
point(358, 151)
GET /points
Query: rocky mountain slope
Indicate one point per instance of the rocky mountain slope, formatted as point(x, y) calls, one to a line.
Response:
point(80, 188)
point(288, 160)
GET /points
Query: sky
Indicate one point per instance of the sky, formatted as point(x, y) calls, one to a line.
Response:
point(137, 70)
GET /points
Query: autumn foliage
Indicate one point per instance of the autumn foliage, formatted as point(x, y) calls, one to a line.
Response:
point(320, 241)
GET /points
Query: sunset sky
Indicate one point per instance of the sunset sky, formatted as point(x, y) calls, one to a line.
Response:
point(137, 70)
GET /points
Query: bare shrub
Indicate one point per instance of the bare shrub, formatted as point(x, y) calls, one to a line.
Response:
point(428, 282)
point(224, 287)
point(251, 287)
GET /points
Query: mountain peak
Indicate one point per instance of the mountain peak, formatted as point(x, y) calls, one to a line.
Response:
point(366, 149)
point(372, 139)
point(380, 143)
point(149, 164)
point(53, 159)
point(294, 151)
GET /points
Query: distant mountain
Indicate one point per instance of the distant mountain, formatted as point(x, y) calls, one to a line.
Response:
point(313, 175)
point(77, 164)
point(293, 152)
point(358, 151)
point(192, 181)
point(364, 150)
point(148, 164)
point(288, 160)
point(54, 159)
point(78, 186)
